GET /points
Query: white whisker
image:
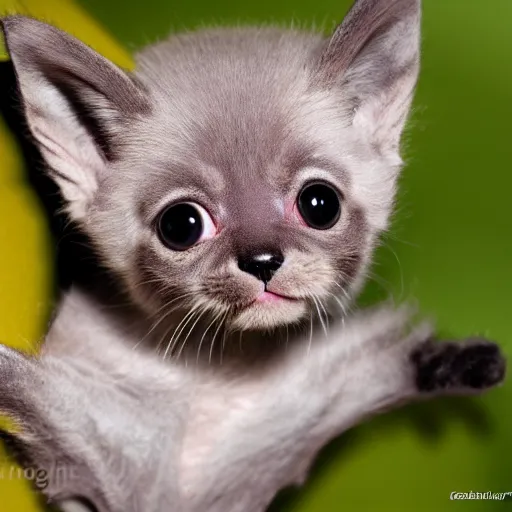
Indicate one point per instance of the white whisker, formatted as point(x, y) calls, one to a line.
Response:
point(402, 285)
point(315, 301)
point(201, 313)
point(204, 334)
point(340, 304)
point(179, 329)
point(343, 290)
point(160, 320)
point(322, 306)
point(310, 333)
point(223, 344)
point(215, 335)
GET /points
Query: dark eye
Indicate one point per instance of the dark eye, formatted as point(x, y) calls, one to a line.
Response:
point(319, 205)
point(183, 225)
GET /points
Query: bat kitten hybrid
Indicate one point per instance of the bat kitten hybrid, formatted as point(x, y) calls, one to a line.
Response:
point(233, 187)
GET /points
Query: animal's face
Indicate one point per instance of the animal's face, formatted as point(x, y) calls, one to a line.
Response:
point(242, 189)
point(244, 174)
point(260, 248)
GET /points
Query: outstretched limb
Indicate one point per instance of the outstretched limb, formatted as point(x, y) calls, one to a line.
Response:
point(273, 427)
point(90, 438)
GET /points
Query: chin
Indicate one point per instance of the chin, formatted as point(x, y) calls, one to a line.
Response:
point(269, 315)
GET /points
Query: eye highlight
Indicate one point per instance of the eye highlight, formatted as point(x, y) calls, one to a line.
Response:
point(183, 225)
point(319, 205)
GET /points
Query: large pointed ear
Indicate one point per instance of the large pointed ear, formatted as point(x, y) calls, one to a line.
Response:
point(374, 56)
point(74, 100)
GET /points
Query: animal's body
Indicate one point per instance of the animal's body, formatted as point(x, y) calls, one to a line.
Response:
point(234, 188)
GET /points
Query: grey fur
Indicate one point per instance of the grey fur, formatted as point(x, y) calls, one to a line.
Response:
point(236, 120)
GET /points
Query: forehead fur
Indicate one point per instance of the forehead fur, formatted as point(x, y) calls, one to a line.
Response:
point(228, 97)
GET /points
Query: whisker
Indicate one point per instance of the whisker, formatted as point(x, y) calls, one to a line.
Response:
point(198, 310)
point(322, 306)
point(394, 237)
point(204, 334)
point(175, 327)
point(179, 329)
point(402, 285)
point(161, 319)
point(201, 313)
point(167, 331)
point(153, 327)
point(215, 335)
point(240, 342)
point(172, 301)
point(223, 344)
point(340, 303)
point(383, 283)
point(147, 281)
point(310, 333)
point(343, 290)
point(315, 301)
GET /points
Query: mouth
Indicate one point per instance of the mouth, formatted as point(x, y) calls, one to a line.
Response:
point(270, 309)
point(267, 296)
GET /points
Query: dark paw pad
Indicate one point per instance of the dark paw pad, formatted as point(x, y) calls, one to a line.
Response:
point(473, 365)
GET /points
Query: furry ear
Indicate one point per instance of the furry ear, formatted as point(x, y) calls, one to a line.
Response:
point(374, 56)
point(74, 101)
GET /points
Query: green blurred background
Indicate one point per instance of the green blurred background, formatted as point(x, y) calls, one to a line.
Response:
point(450, 248)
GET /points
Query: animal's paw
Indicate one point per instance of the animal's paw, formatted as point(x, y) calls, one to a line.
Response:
point(470, 366)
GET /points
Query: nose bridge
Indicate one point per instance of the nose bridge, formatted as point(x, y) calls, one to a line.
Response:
point(257, 223)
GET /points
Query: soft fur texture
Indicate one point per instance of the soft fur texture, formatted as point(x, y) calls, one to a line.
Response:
point(182, 391)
